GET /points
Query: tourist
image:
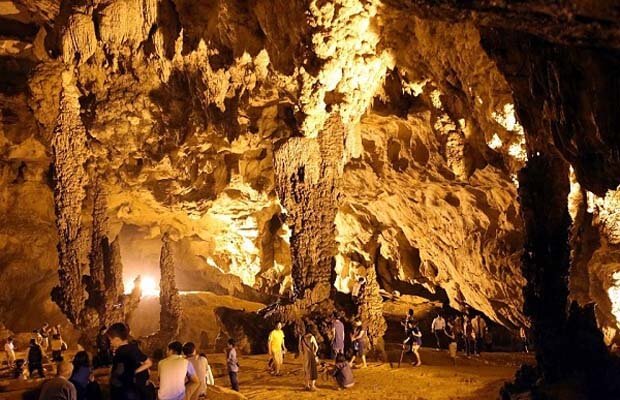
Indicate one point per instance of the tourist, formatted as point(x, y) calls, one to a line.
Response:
point(104, 352)
point(36, 335)
point(457, 331)
point(413, 341)
point(58, 347)
point(209, 378)
point(337, 335)
point(524, 340)
point(232, 364)
point(35, 359)
point(438, 328)
point(470, 336)
point(173, 371)
point(359, 339)
point(343, 372)
point(276, 347)
point(358, 289)
point(479, 326)
point(59, 388)
point(129, 375)
point(453, 345)
point(9, 350)
point(308, 347)
point(408, 317)
point(45, 335)
point(201, 366)
point(83, 379)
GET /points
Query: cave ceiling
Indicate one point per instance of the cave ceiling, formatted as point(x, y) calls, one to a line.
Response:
point(184, 103)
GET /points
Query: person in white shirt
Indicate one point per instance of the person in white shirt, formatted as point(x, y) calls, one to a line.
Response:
point(438, 327)
point(173, 371)
point(201, 366)
point(9, 350)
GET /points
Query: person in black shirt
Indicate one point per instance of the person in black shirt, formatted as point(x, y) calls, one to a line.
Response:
point(35, 359)
point(129, 375)
point(104, 353)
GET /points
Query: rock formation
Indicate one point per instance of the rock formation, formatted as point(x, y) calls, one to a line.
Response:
point(289, 147)
point(170, 314)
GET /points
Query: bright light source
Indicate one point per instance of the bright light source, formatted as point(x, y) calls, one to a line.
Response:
point(149, 287)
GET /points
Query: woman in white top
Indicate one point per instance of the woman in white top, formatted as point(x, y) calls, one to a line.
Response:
point(201, 366)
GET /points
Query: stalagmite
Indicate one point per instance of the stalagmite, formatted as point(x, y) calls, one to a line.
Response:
point(170, 314)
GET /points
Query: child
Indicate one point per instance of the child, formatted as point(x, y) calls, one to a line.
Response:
point(232, 364)
point(343, 372)
point(9, 349)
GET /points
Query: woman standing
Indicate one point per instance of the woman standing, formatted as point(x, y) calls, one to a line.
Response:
point(359, 341)
point(414, 339)
point(308, 348)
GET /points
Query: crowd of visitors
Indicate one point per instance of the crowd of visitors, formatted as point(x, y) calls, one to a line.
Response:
point(184, 374)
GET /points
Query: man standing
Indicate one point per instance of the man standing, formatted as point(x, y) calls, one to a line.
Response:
point(232, 364)
point(275, 344)
point(172, 373)
point(337, 335)
point(59, 388)
point(438, 327)
point(129, 374)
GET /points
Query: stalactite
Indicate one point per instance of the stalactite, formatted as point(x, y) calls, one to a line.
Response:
point(69, 156)
point(99, 243)
point(170, 314)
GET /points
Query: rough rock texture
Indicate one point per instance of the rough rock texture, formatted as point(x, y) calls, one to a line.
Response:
point(170, 314)
point(293, 146)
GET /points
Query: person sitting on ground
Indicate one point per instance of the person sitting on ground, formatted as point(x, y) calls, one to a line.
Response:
point(57, 346)
point(414, 341)
point(275, 345)
point(232, 365)
point(308, 347)
point(59, 388)
point(83, 379)
point(201, 365)
point(438, 328)
point(337, 335)
point(359, 339)
point(35, 359)
point(173, 371)
point(129, 375)
point(9, 350)
point(343, 372)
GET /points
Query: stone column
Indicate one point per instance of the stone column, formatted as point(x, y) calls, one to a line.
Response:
point(170, 314)
point(69, 154)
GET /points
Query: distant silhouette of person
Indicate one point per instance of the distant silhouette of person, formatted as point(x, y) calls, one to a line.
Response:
point(438, 328)
point(524, 340)
point(275, 345)
point(337, 335)
point(9, 350)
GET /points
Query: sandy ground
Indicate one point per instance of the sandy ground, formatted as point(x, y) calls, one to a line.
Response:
point(476, 378)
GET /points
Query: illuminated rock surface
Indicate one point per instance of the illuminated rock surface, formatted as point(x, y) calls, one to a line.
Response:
point(289, 147)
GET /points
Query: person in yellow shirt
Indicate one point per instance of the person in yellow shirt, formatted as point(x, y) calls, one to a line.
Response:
point(276, 348)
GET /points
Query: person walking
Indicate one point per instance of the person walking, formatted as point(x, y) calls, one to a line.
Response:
point(337, 335)
point(414, 341)
point(9, 351)
point(232, 365)
point(173, 372)
point(276, 347)
point(438, 328)
point(45, 334)
point(129, 374)
point(83, 379)
point(59, 388)
point(201, 366)
point(35, 359)
point(308, 347)
point(359, 339)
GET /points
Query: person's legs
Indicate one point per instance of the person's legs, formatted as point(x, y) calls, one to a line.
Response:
point(234, 381)
point(364, 360)
point(278, 360)
point(191, 391)
point(438, 340)
point(416, 353)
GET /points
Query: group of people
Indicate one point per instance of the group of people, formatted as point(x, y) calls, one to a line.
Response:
point(42, 341)
point(459, 332)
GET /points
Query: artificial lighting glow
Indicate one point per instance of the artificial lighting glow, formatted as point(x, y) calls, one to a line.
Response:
point(148, 286)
